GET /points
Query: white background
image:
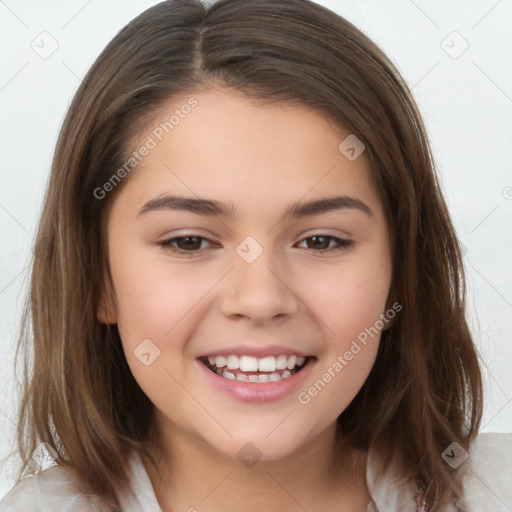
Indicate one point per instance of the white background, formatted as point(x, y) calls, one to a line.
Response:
point(466, 103)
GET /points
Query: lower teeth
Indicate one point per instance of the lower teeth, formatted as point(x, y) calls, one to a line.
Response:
point(260, 378)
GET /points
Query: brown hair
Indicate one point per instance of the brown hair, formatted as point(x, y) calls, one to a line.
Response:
point(79, 395)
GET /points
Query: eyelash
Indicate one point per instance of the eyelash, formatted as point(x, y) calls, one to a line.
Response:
point(343, 245)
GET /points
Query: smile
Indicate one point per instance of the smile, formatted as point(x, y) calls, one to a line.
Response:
point(256, 379)
point(255, 370)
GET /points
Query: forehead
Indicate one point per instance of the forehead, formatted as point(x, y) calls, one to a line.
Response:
point(227, 145)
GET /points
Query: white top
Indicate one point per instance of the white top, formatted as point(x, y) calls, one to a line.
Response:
point(487, 486)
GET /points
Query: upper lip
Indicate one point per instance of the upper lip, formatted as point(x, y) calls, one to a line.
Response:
point(259, 352)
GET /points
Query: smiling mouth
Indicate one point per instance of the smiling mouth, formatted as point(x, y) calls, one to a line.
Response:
point(253, 370)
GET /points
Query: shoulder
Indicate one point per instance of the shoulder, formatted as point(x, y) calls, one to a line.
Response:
point(57, 489)
point(488, 473)
point(50, 490)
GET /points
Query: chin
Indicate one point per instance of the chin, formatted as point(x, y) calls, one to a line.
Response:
point(250, 448)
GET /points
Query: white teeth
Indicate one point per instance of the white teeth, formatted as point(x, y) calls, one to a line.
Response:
point(291, 362)
point(232, 362)
point(248, 364)
point(220, 361)
point(271, 366)
point(267, 364)
point(281, 362)
point(262, 377)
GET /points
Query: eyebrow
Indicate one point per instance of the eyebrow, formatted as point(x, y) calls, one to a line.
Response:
point(211, 207)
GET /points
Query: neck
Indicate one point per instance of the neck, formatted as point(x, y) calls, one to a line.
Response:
point(191, 475)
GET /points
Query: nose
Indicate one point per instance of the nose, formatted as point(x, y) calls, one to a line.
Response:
point(259, 290)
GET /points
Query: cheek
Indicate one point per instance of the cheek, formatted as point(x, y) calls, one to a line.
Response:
point(157, 301)
point(349, 303)
point(337, 383)
point(155, 311)
point(349, 299)
point(154, 295)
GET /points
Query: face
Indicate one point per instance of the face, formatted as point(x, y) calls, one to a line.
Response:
point(276, 296)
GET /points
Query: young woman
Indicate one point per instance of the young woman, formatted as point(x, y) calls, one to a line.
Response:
point(247, 292)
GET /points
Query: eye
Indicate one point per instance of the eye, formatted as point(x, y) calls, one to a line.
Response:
point(185, 244)
point(191, 244)
point(321, 243)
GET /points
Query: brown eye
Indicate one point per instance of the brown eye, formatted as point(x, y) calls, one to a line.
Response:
point(322, 243)
point(184, 244)
point(191, 244)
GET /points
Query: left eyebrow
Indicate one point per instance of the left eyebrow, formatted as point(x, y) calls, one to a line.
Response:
point(211, 207)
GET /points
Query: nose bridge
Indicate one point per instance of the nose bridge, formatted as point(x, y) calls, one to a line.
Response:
point(257, 285)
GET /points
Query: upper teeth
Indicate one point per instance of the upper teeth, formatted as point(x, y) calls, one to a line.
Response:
point(254, 364)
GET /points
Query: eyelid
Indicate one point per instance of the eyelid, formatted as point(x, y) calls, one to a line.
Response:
point(343, 244)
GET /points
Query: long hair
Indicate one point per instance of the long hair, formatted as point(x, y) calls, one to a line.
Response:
point(79, 396)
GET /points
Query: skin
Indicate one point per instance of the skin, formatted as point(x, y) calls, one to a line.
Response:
point(260, 158)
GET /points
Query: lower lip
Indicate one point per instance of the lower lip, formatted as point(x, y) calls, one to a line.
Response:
point(258, 392)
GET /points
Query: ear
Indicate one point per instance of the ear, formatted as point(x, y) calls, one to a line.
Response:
point(106, 312)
